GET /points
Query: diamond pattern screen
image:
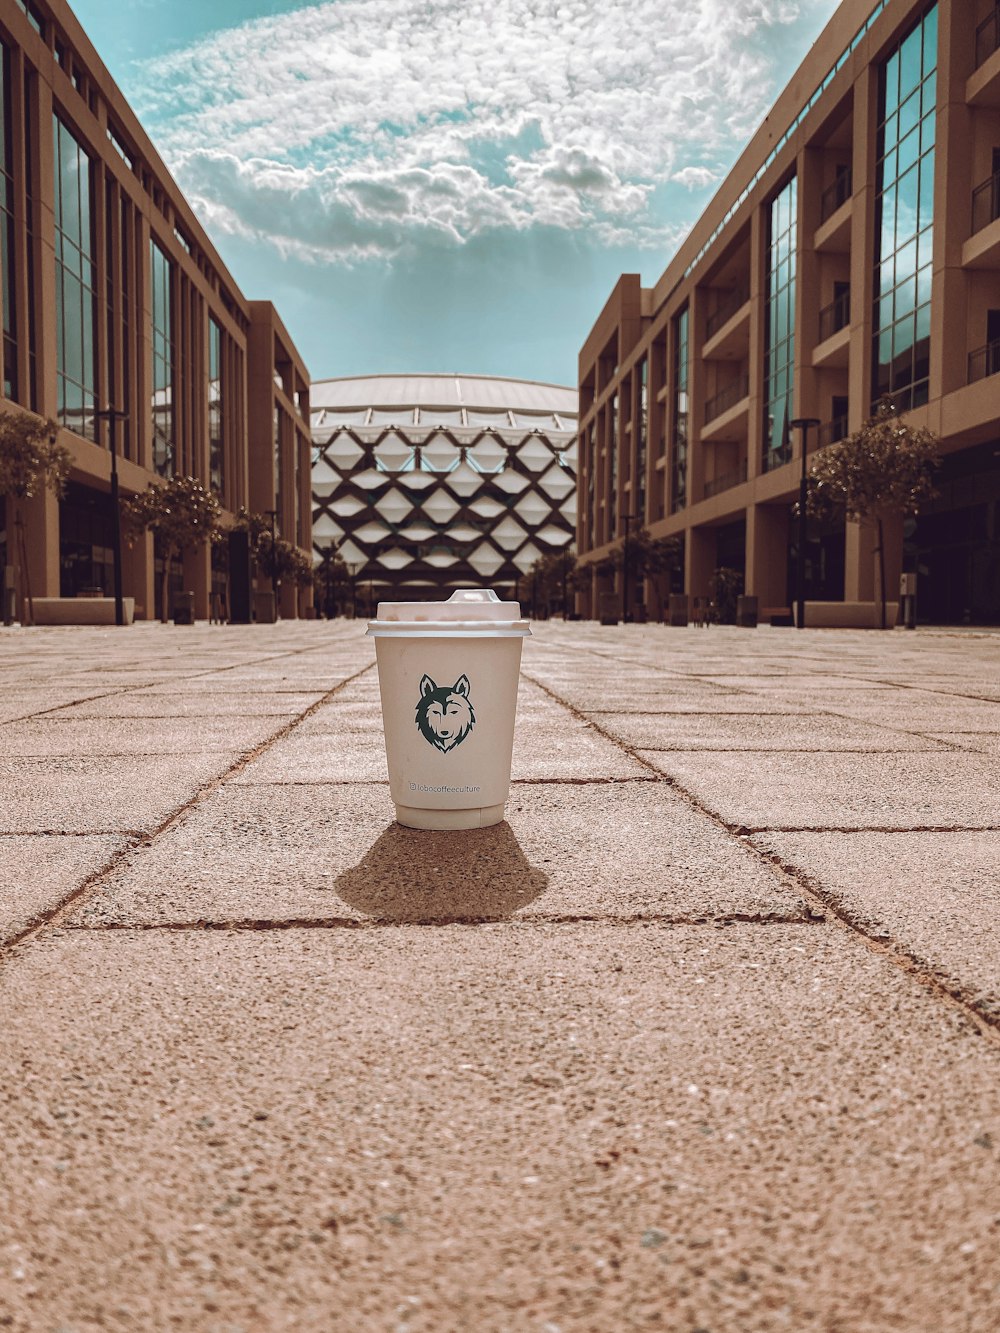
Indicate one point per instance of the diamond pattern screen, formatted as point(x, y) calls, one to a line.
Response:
point(428, 498)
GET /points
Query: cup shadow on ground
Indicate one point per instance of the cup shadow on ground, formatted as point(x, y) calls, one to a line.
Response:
point(424, 877)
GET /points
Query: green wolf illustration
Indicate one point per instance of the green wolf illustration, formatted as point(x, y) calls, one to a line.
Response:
point(444, 714)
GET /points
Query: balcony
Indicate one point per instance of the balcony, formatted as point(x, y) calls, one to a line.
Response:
point(830, 432)
point(988, 37)
point(986, 203)
point(982, 249)
point(984, 361)
point(727, 329)
point(726, 481)
point(835, 316)
point(726, 398)
point(836, 194)
point(728, 305)
point(775, 458)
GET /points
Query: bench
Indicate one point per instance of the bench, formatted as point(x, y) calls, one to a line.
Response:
point(80, 610)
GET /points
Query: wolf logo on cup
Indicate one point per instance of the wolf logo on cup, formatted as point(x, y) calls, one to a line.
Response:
point(444, 714)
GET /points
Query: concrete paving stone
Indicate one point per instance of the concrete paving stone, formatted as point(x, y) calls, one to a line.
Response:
point(95, 737)
point(923, 715)
point(936, 894)
point(23, 703)
point(747, 731)
point(343, 713)
point(348, 756)
point(315, 852)
point(669, 700)
point(99, 795)
point(492, 1129)
point(206, 703)
point(38, 873)
point(777, 790)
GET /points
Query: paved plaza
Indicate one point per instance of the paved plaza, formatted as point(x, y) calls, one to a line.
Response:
point(704, 1039)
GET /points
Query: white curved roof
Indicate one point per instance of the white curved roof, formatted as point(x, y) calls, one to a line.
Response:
point(487, 393)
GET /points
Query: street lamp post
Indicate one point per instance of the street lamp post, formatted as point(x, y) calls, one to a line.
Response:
point(626, 519)
point(112, 415)
point(803, 424)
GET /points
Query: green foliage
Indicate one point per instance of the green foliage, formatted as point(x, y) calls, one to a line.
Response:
point(181, 512)
point(30, 458)
point(549, 577)
point(886, 468)
point(647, 556)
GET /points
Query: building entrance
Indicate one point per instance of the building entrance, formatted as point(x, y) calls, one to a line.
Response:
point(955, 545)
point(86, 559)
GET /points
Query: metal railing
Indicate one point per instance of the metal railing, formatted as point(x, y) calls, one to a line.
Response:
point(727, 307)
point(775, 458)
point(984, 361)
point(834, 195)
point(986, 203)
point(987, 37)
point(832, 431)
point(835, 316)
point(726, 398)
point(726, 481)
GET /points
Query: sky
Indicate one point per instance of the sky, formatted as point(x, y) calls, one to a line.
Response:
point(448, 185)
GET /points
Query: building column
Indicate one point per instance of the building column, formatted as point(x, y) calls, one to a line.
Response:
point(288, 600)
point(139, 576)
point(39, 519)
point(767, 554)
point(699, 564)
point(197, 566)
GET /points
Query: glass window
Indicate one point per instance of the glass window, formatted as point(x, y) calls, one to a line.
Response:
point(76, 304)
point(904, 221)
point(680, 413)
point(161, 284)
point(10, 385)
point(216, 444)
point(779, 356)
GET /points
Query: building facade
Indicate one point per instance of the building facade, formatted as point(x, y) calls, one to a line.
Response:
point(435, 482)
point(852, 254)
point(114, 297)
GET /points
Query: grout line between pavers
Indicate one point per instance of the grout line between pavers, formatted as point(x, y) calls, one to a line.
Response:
point(824, 904)
point(248, 924)
point(93, 882)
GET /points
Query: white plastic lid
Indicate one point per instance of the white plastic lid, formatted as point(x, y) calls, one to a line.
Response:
point(477, 611)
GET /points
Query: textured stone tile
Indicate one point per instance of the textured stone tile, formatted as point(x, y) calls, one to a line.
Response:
point(775, 790)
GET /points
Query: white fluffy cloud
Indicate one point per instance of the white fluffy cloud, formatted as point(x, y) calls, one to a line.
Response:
point(364, 127)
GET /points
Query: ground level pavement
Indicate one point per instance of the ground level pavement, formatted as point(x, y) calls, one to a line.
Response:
point(704, 1037)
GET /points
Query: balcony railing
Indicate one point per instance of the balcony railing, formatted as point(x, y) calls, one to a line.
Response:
point(832, 431)
point(986, 203)
point(834, 195)
point(726, 480)
point(727, 398)
point(775, 458)
point(984, 361)
point(728, 305)
point(987, 37)
point(835, 316)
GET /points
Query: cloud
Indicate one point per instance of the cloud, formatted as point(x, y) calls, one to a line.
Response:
point(368, 127)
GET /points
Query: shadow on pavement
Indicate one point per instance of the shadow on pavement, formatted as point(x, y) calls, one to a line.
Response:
point(419, 876)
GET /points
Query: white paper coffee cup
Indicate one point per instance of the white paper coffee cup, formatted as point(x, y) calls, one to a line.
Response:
point(448, 675)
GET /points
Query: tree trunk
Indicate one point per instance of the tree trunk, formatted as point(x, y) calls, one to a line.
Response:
point(881, 572)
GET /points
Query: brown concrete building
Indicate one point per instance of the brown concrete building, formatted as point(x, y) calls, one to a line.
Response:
point(113, 296)
point(853, 252)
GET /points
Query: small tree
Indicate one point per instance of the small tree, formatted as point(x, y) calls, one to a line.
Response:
point(648, 557)
point(30, 462)
point(884, 470)
point(724, 587)
point(182, 513)
point(552, 576)
point(331, 581)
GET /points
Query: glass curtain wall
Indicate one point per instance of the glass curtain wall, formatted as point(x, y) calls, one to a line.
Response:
point(161, 289)
point(640, 442)
point(904, 218)
point(613, 447)
point(216, 444)
point(10, 386)
point(779, 337)
point(277, 469)
point(591, 451)
point(76, 277)
point(679, 491)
